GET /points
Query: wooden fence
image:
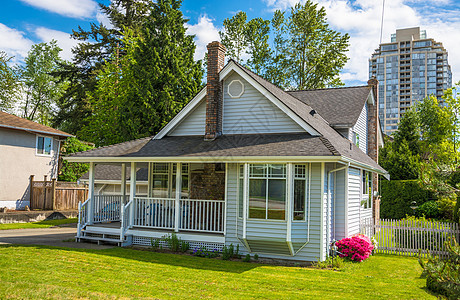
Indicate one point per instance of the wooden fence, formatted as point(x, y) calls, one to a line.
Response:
point(407, 237)
point(56, 195)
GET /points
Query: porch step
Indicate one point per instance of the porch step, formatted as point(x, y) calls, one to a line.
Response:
point(101, 237)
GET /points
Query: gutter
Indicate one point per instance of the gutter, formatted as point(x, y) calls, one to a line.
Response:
point(36, 131)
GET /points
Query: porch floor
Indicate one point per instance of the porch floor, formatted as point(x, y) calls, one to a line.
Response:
point(117, 225)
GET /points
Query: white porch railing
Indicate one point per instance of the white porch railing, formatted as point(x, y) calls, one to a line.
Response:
point(154, 212)
point(202, 215)
point(82, 216)
point(107, 208)
point(194, 215)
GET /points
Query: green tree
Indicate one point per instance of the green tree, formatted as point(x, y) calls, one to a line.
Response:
point(305, 53)
point(165, 73)
point(41, 89)
point(70, 171)
point(96, 47)
point(9, 83)
point(143, 90)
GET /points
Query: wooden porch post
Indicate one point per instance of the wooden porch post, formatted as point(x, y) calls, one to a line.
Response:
point(132, 192)
point(123, 183)
point(91, 194)
point(178, 195)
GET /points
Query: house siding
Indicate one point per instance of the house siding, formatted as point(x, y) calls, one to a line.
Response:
point(354, 200)
point(272, 234)
point(253, 112)
point(18, 160)
point(193, 124)
point(361, 128)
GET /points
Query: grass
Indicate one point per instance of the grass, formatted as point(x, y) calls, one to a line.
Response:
point(40, 272)
point(41, 224)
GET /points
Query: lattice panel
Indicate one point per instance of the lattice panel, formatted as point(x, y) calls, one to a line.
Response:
point(145, 241)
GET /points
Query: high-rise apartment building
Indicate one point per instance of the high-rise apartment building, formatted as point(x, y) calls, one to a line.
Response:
point(408, 69)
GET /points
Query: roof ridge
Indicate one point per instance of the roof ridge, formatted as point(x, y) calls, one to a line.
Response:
point(329, 88)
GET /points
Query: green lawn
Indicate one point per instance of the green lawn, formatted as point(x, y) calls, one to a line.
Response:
point(63, 273)
point(41, 224)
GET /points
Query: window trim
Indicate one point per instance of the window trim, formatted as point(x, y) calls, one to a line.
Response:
point(307, 191)
point(44, 138)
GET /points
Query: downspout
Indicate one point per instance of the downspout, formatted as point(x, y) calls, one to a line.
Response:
point(328, 225)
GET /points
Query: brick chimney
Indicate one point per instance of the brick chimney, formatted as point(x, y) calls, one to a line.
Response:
point(216, 60)
point(373, 141)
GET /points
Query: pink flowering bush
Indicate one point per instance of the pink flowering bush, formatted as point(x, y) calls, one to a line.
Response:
point(355, 248)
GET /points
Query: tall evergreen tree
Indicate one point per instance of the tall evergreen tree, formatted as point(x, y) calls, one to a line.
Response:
point(166, 74)
point(95, 48)
point(139, 93)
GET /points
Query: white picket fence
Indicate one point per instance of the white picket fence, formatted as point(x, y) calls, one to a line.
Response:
point(407, 237)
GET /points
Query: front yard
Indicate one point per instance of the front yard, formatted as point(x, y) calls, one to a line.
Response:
point(63, 273)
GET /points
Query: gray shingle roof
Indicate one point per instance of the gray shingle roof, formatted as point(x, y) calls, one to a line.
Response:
point(17, 123)
point(329, 143)
point(339, 106)
point(113, 172)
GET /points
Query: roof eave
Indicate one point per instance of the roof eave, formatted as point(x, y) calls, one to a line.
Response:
point(36, 131)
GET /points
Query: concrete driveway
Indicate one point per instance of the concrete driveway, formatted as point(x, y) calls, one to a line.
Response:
point(53, 236)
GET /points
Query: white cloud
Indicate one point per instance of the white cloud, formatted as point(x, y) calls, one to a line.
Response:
point(14, 43)
point(79, 9)
point(64, 41)
point(102, 18)
point(361, 19)
point(205, 32)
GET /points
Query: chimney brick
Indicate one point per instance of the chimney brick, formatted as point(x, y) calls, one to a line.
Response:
point(216, 61)
point(373, 142)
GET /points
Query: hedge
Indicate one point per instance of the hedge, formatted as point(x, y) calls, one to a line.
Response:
point(397, 197)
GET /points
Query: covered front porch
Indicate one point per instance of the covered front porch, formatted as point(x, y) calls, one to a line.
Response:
point(185, 198)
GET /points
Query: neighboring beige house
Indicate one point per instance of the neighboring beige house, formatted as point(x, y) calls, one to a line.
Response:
point(26, 148)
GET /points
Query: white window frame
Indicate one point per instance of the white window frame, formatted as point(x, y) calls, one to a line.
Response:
point(366, 197)
point(44, 138)
point(170, 173)
point(307, 191)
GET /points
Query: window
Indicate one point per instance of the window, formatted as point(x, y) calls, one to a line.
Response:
point(366, 201)
point(355, 138)
point(44, 145)
point(162, 174)
point(300, 192)
point(267, 191)
point(240, 190)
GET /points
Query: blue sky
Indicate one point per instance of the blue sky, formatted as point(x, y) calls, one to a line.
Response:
point(24, 22)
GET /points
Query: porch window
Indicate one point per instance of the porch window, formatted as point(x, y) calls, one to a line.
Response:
point(162, 174)
point(267, 191)
point(366, 201)
point(300, 190)
point(44, 145)
point(160, 178)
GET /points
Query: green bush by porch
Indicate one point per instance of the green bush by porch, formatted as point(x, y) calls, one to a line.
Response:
point(44, 272)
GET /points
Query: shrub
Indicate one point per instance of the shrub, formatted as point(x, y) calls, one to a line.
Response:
point(256, 256)
point(398, 195)
point(331, 262)
point(356, 248)
point(184, 246)
point(173, 242)
point(247, 258)
point(227, 252)
point(429, 210)
point(446, 207)
point(155, 244)
point(443, 276)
